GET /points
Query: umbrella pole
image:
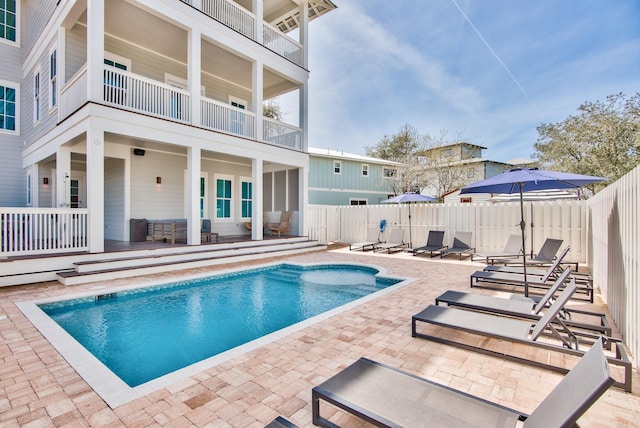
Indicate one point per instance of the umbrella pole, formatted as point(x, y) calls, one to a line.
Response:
point(524, 256)
point(410, 241)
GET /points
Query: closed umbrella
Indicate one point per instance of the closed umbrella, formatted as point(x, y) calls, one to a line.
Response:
point(520, 180)
point(407, 198)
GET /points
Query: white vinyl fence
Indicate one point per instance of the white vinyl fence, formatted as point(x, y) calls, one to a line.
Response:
point(614, 253)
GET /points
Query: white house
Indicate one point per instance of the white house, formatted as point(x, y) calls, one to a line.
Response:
point(124, 109)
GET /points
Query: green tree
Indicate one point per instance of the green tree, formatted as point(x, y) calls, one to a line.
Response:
point(273, 110)
point(603, 139)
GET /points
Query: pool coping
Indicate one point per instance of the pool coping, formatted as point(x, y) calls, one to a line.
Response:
point(114, 391)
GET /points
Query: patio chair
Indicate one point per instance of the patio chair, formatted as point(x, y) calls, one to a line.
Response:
point(434, 243)
point(461, 245)
point(545, 256)
point(512, 248)
point(385, 396)
point(249, 225)
point(527, 307)
point(395, 242)
point(205, 231)
point(283, 225)
point(280, 422)
point(373, 234)
point(517, 331)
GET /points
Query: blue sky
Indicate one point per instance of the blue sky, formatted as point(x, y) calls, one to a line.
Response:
point(486, 71)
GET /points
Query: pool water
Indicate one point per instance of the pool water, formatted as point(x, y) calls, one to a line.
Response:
point(146, 333)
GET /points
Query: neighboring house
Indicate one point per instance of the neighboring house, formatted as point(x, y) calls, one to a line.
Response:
point(153, 109)
point(338, 178)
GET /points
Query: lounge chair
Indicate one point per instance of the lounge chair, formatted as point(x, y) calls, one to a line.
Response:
point(205, 231)
point(249, 225)
point(373, 234)
point(527, 307)
point(545, 256)
point(434, 243)
point(280, 422)
point(385, 396)
point(580, 277)
point(395, 242)
point(461, 245)
point(513, 248)
point(283, 225)
point(517, 331)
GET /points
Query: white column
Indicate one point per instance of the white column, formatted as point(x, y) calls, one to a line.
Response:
point(303, 199)
point(194, 69)
point(304, 33)
point(303, 115)
point(257, 204)
point(258, 11)
point(36, 185)
point(95, 189)
point(257, 97)
point(63, 176)
point(95, 49)
point(192, 197)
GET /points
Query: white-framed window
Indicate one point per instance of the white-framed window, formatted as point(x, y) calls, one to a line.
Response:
point(9, 19)
point(337, 167)
point(447, 153)
point(224, 197)
point(30, 187)
point(203, 196)
point(365, 170)
point(237, 118)
point(471, 173)
point(246, 197)
point(9, 99)
point(36, 97)
point(389, 172)
point(115, 84)
point(53, 79)
point(355, 201)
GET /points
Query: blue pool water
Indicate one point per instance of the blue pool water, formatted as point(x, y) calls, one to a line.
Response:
point(146, 333)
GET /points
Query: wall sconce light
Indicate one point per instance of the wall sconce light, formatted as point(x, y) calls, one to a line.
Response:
point(45, 180)
point(158, 180)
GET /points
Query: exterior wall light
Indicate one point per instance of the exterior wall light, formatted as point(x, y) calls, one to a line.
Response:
point(158, 180)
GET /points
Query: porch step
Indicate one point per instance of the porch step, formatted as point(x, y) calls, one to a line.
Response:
point(124, 267)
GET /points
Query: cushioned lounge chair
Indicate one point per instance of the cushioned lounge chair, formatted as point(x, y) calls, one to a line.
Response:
point(516, 331)
point(395, 242)
point(545, 256)
point(461, 245)
point(527, 308)
point(373, 234)
point(434, 244)
point(511, 249)
point(385, 396)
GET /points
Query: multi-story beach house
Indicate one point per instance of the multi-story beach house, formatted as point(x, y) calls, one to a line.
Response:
point(125, 109)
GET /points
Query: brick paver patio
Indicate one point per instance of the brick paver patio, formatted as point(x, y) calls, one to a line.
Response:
point(38, 388)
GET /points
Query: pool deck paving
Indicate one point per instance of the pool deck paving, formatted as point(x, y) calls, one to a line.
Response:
point(38, 388)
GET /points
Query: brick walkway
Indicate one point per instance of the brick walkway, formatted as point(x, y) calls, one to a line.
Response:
point(38, 388)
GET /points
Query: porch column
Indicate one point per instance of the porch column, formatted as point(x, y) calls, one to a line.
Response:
point(304, 33)
point(36, 184)
point(257, 204)
point(95, 189)
point(63, 176)
point(258, 11)
point(95, 49)
point(194, 66)
point(257, 97)
point(192, 197)
point(303, 199)
point(304, 115)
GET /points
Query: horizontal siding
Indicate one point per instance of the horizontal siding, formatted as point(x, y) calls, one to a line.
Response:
point(321, 175)
point(327, 197)
point(114, 226)
point(12, 176)
point(35, 16)
point(76, 47)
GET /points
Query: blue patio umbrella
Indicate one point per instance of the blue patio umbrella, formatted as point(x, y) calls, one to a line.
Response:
point(521, 180)
point(407, 198)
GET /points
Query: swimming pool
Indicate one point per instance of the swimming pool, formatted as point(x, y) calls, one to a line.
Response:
point(143, 334)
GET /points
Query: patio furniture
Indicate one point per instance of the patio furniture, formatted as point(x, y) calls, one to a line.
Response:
point(283, 225)
point(434, 243)
point(461, 245)
point(205, 231)
point(545, 256)
point(527, 307)
point(517, 331)
point(280, 422)
point(385, 396)
point(395, 242)
point(372, 239)
point(511, 249)
point(249, 225)
point(168, 230)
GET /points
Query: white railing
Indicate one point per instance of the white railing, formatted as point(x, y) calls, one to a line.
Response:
point(232, 15)
point(226, 118)
point(133, 92)
point(26, 231)
point(281, 44)
point(73, 94)
point(614, 253)
point(281, 134)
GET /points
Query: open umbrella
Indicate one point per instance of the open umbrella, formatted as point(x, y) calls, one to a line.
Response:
point(407, 198)
point(521, 180)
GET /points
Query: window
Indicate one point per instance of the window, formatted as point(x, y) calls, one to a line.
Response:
point(237, 118)
point(389, 172)
point(246, 197)
point(203, 197)
point(53, 83)
point(365, 170)
point(337, 167)
point(9, 20)
point(466, 200)
point(29, 188)
point(446, 153)
point(470, 173)
point(357, 202)
point(36, 97)
point(115, 83)
point(224, 184)
point(9, 97)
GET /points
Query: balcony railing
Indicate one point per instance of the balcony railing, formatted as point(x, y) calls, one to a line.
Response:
point(223, 117)
point(73, 94)
point(282, 134)
point(42, 230)
point(282, 44)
